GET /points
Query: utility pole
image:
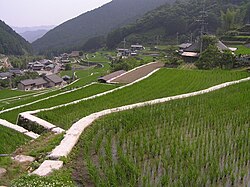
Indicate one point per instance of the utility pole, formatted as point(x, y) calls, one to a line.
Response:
point(203, 23)
point(124, 43)
point(177, 38)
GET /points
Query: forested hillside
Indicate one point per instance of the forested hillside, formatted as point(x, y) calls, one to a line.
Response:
point(74, 33)
point(11, 43)
point(184, 18)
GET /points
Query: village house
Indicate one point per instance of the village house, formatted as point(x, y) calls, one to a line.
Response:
point(32, 84)
point(5, 75)
point(137, 47)
point(191, 52)
point(53, 80)
point(40, 83)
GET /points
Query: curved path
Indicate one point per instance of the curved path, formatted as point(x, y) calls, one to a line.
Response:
point(73, 134)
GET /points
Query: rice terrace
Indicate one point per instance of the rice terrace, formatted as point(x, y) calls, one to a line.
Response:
point(131, 93)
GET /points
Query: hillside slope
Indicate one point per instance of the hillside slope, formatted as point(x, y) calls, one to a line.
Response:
point(11, 43)
point(75, 32)
point(32, 36)
point(182, 17)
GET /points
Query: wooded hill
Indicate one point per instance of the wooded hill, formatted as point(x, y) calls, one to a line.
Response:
point(74, 33)
point(11, 43)
point(184, 18)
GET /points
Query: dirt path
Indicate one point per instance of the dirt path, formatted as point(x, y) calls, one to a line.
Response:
point(136, 74)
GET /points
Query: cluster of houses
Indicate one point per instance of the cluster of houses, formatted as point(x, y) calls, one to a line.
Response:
point(133, 51)
point(11, 72)
point(46, 81)
point(64, 58)
point(42, 65)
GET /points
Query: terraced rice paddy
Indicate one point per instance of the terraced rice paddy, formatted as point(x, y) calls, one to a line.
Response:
point(198, 141)
point(166, 82)
point(54, 101)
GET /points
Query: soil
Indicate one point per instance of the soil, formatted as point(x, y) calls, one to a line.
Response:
point(138, 73)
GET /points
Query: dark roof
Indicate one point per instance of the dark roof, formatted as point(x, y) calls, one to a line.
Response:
point(5, 74)
point(27, 82)
point(66, 77)
point(37, 82)
point(54, 78)
point(40, 81)
point(184, 45)
point(195, 47)
point(16, 71)
point(112, 75)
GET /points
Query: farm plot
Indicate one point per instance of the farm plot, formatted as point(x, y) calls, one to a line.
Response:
point(166, 82)
point(90, 75)
point(10, 140)
point(61, 99)
point(138, 73)
point(198, 141)
point(4, 94)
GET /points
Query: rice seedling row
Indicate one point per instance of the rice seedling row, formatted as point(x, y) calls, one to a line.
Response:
point(199, 141)
point(62, 99)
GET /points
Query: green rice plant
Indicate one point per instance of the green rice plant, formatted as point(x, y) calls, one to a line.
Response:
point(198, 141)
point(11, 140)
point(166, 82)
point(61, 99)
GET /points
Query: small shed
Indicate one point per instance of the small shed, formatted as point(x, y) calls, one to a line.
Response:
point(111, 76)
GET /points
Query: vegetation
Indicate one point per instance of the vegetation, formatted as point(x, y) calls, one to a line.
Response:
point(61, 179)
point(11, 43)
point(4, 94)
point(11, 140)
point(76, 32)
point(242, 50)
point(62, 99)
point(213, 58)
point(166, 82)
point(154, 27)
point(38, 148)
point(198, 141)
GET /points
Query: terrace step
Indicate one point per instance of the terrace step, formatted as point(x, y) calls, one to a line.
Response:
point(19, 129)
point(23, 158)
point(47, 167)
point(41, 122)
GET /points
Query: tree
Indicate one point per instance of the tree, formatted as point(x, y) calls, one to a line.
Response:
point(210, 58)
point(68, 67)
point(227, 59)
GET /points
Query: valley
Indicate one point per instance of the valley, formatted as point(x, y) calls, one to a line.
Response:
point(132, 93)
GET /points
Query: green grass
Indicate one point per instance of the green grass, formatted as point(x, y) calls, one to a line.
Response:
point(11, 140)
point(61, 99)
point(91, 75)
point(97, 57)
point(243, 50)
point(166, 82)
point(4, 94)
point(198, 141)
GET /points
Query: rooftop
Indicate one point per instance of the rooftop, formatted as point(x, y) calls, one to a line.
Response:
point(54, 78)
